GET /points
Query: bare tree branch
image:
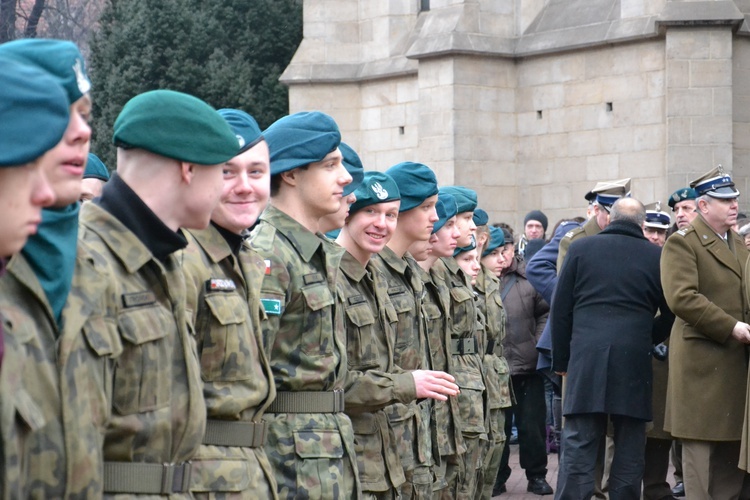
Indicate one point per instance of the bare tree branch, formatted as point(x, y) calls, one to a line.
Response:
point(7, 20)
point(33, 21)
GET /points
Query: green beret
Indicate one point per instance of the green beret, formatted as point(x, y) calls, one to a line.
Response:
point(416, 181)
point(353, 165)
point(96, 169)
point(175, 125)
point(34, 112)
point(468, 248)
point(481, 218)
point(244, 126)
point(376, 187)
point(682, 195)
point(59, 58)
point(497, 239)
point(301, 139)
point(446, 208)
point(466, 199)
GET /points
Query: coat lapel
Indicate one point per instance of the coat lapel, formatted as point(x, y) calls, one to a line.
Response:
point(717, 246)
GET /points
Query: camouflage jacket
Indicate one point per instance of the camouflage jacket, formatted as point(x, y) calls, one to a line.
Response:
point(304, 333)
point(447, 416)
point(410, 423)
point(152, 389)
point(496, 369)
point(467, 368)
point(224, 304)
point(373, 381)
point(57, 448)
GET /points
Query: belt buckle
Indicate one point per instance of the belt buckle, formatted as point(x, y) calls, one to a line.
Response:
point(175, 478)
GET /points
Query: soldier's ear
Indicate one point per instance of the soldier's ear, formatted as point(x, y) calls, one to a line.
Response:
point(187, 170)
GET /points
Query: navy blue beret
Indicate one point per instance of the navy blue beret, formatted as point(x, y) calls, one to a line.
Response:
point(376, 187)
point(60, 58)
point(466, 198)
point(353, 165)
point(497, 239)
point(416, 181)
point(301, 139)
point(96, 169)
point(244, 126)
point(34, 112)
point(446, 208)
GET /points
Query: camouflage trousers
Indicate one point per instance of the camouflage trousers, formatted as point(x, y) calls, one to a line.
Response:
point(495, 446)
point(411, 431)
point(221, 472)
point(446, 483)
point(470, 468)
point(312, 456)
point(378, 463)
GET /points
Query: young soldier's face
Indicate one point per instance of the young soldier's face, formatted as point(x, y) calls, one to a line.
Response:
point(321, 185)
point(338, 219)
point(91, 188)
point(418, 222)
point(371, 227)
point(247, 185)
point(469, 263)
point(466, 226)
point(445, 239)
point(23, 192)
point(66, 162)
point(495, 261)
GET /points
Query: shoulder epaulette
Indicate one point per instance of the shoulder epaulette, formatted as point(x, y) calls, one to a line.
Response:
point(684, 230)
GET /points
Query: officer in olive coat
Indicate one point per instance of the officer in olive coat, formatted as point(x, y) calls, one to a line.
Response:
point(701, 274)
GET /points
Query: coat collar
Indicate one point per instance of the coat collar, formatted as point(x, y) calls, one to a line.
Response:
point(723, 251)
point(304, 241)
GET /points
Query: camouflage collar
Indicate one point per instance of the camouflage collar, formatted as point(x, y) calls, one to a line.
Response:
point(304, 241)
point(212, 242)
point(393, 261)
point(352, 268)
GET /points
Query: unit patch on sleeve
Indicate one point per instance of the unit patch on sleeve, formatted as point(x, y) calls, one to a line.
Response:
point(271, 306)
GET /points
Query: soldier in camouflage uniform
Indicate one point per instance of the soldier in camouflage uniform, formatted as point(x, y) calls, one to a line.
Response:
point(466, 348)
point(373, 381)
point(223, 276)
point(496, 370)
point(30, 97)
point(144, 374)
point(410, 423)
point(311, 442)
point(449, 443)
point(57, 461)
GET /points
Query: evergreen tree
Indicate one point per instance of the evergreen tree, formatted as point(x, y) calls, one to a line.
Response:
point(229, 53)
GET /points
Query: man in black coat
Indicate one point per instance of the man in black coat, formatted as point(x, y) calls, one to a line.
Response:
point(603, 331)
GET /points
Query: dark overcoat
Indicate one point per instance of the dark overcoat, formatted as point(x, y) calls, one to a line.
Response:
point(603, 329)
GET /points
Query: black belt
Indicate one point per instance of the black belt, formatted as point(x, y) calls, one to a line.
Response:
point(146, 479)
point(460, 347)
point(235, 433)
point(495, 348)
point(308, 402)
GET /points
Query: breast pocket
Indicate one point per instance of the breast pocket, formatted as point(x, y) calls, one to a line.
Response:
point(462, 304)
point(143, 373)
point(317, 321)
point(225, 352)
point(360, 343)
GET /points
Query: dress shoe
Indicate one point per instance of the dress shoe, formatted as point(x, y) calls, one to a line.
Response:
point(539, 486)
point(678, 490)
